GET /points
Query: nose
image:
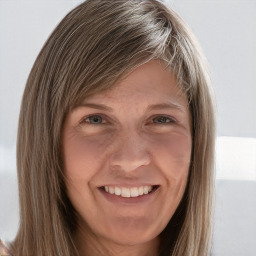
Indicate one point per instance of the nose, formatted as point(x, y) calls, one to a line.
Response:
point(130, 153)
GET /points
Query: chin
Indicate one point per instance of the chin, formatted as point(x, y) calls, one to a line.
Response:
point(132, 232)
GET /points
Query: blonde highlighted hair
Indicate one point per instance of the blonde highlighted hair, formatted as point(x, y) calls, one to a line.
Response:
point(95, 45)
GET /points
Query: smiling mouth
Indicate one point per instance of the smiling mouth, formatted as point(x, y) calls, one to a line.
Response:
point(129, 192)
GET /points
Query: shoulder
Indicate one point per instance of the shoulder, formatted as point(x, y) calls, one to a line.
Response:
point(3, 250)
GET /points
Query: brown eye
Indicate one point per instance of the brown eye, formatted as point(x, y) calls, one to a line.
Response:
point(163, 120)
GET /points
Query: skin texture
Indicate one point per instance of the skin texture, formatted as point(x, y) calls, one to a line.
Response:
point(140, 134)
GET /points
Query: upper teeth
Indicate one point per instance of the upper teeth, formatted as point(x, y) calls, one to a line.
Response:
point(128, 192)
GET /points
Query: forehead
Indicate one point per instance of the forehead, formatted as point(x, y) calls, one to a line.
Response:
point(152, 82)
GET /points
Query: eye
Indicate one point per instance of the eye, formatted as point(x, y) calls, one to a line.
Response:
point(163, 120)
point(94, 119)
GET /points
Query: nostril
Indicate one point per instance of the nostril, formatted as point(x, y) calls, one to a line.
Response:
point(129, 157)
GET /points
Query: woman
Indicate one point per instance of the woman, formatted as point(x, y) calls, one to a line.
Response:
point(116, 137)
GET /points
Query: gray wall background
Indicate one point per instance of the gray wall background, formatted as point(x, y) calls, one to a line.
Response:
point(226, 30)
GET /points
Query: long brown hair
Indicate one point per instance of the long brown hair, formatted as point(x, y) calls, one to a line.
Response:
point(95, 45)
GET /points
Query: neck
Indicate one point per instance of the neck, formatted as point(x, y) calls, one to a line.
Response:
point(90, 245)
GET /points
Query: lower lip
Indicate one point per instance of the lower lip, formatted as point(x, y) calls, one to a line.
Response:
point(129, 200)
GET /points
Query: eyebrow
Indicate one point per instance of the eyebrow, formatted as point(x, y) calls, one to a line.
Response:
point(168, 105)
point(95, 106)
point(160, 106)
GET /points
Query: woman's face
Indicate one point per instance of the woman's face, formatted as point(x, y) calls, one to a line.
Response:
point(127, 155)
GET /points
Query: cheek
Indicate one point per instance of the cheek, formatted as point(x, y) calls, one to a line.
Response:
point(82, 155)
point(82, 162)
point(173, 151)
point(173, 155)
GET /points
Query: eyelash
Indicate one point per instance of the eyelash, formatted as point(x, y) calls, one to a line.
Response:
point(168, 119)
point(91, 116)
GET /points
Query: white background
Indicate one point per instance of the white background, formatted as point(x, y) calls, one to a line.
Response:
point(226, 31)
